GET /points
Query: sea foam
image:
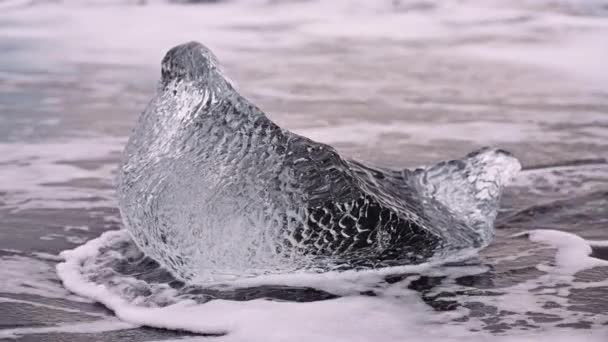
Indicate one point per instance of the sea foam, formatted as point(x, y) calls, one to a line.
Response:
point(394, 314)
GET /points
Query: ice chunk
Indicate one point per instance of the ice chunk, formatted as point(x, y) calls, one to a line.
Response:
point(212, 189)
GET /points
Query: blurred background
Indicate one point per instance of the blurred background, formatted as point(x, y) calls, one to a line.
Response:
point(417, 80)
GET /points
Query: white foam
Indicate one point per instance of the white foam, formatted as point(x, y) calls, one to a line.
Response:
point(35, 165)
point(581, 57)
point(24, 275)
point(554, 336)
point(597, 243)
point(549, 293)
point(7, 4)
point(131, 34)
point(83, 228)
point(355, 316)
point(426, 132)
point(89, 327)
point(572, 251)
point(397, 314)
point(47, 256)
point(52, 307)
point(567, 181)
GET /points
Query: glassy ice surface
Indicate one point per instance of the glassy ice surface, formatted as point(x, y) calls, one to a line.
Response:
point(211, 188)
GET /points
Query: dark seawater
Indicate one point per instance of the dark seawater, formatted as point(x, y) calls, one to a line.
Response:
point(397, 84)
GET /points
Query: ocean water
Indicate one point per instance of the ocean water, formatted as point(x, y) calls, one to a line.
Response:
point(394, 83)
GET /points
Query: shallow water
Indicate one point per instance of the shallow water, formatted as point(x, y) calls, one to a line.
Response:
point(395, 86)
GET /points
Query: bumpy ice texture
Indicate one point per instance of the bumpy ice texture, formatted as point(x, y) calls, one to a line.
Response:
point(212, 189)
